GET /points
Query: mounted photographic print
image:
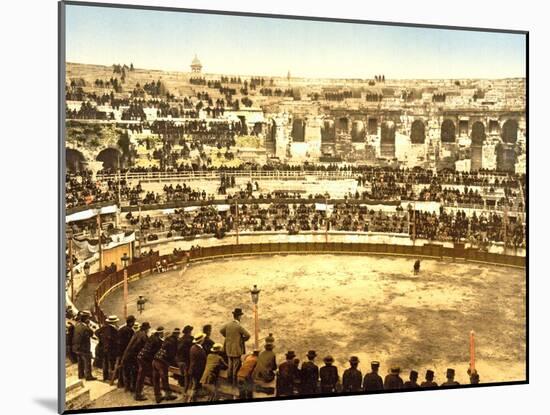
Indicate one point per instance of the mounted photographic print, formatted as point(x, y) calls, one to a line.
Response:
point(258, 207)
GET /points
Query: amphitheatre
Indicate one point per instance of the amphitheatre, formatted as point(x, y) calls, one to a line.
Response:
point(323, 193)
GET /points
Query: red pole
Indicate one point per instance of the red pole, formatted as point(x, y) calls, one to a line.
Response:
point(125, 293)
point(472, 352)
point(256, 329)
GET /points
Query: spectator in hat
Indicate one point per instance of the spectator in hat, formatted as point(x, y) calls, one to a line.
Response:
point(310, 375)
point(393, 380)
point(328, 375)
point(287, 375)
point(429, 382)
point(208, 342)
point(82, 345)
point(197, 363)
point(182, 356)
point(266, 364)
point(235, 339)
point(372, 380)
point(69, 334)
point(129, 357)
point(125, 334)
point(450, 378)
point(163, 359)
point(412, 382)
point(352, 377)
point(244, 375)
point(210, 376)
point(108, 338)
point(474, 376)
point(145, 361)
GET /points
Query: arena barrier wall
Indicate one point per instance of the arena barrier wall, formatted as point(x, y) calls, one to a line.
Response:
point(148, 264)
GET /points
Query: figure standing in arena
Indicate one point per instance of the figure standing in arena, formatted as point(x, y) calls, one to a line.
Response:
point(235, 338)
point(416, 267)
point(141, 304)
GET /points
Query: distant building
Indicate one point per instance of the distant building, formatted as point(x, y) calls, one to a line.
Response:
point(196, 65)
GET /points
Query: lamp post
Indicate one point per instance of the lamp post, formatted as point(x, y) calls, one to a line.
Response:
point(125, 259)
point(255, 294)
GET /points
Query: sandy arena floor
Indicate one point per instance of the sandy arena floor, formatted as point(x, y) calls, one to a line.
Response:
point(372, 307)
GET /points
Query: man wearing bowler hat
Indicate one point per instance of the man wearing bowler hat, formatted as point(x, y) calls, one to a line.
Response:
point(287, 376)
point(82, 345)
point(125, 334)
point(310, 375)
point(429, 382)
point(393, 380)
point(145, 361)
point(352, 377)
point(412, 382)
point(129, 357)
point(328, 375)
point(450, 378)
point(372, 381)
point(197, 363)
point(163, 359)
point(234, 345)
point(182, 356)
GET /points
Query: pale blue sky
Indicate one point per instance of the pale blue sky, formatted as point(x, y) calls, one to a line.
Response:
point(267, 46)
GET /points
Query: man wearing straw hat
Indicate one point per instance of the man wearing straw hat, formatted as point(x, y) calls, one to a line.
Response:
point(210, 376)
point(352, 377)
point(108, 338)
point(235, 338)
point(145, 361)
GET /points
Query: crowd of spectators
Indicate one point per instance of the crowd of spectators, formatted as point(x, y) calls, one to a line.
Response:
point(135, 351)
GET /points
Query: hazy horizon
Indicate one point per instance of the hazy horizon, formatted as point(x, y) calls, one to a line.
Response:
point(254, 46)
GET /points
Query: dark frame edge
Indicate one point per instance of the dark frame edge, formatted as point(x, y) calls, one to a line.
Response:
point(61, 383)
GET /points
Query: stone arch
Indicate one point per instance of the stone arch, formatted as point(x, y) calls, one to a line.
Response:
point(506, 157)
point(328, 131)
point(478, 133)
point(258, 128)
point(509, 131)
point(387, 139)
point(358, 131)
point(418, 132)
point(298, 130)
point(372, 126)
point(111, 158)
point(448, 131)
point(343, 124)
point(74, 160)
